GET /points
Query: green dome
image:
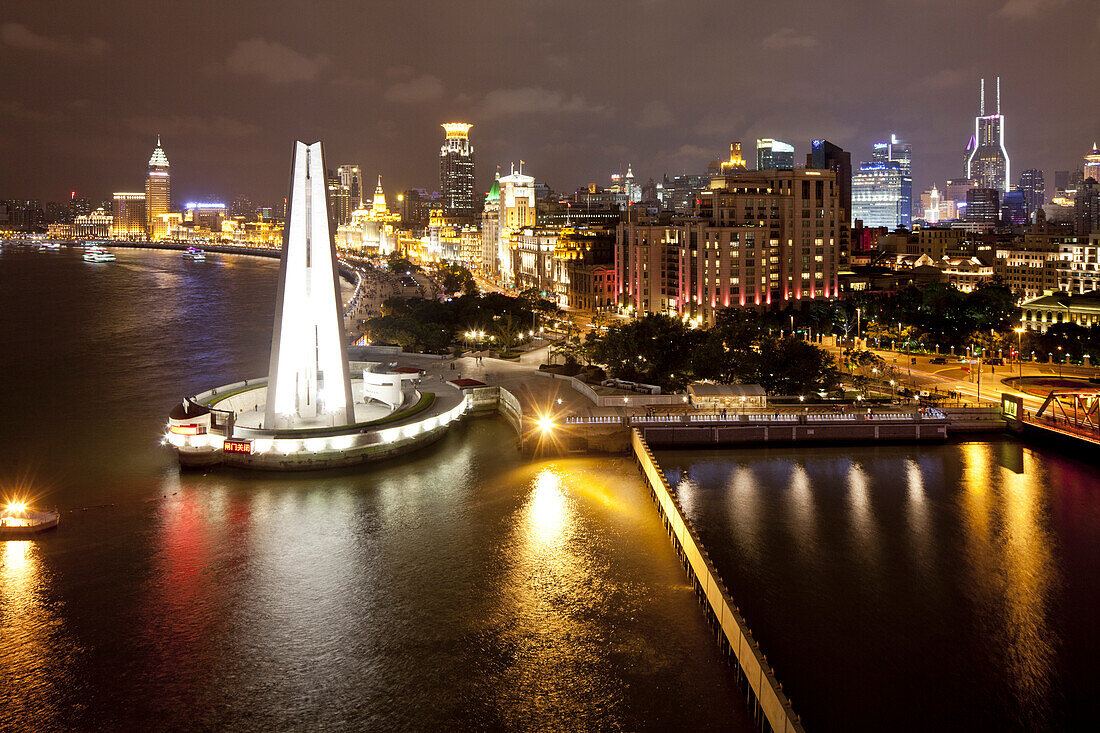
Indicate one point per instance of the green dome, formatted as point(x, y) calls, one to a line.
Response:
point(494, 192)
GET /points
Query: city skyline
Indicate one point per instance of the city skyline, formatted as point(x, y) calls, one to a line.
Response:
point(571, 125)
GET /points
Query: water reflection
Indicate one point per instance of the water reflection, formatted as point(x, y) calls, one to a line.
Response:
point(32, 667)
point(920, 529)
point(1008, 549)
point(745, 508)
point(938, 567)
point(547, 512)
point(802, 509)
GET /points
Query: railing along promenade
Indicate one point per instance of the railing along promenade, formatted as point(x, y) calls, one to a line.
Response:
point(769, 703)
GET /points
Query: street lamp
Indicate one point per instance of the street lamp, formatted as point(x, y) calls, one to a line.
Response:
point(1019, 355)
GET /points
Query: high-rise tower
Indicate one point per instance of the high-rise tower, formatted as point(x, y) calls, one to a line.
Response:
point(350, 179)
point(158, 196)
point(456, 170)
point(1034, 188)
point(1092, 164)
point(882, 190)
point(308, 382)
point(988, 162)
point(774, 155)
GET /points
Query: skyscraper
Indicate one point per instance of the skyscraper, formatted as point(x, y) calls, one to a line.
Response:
point(988, 163)
point(350, 179)
point(456, 170)
point(517, 211)
point(1061, 181)
point(158, 199)
point(1014, 208)
point(824, 155)
point(774, 155)
point(1034, 189)
point(983, 205)
point(130, 221)
point(1092, 164)
point(339, 197)
point(882, 190)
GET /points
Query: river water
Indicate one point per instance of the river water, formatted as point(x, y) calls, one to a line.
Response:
point(459, 588)
point(892, 588)
point(911, 588)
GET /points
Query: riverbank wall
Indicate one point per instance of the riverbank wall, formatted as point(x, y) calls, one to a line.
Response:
point(611, 433)
point(764, 692)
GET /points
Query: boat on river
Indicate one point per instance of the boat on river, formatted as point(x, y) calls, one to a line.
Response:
point(19, 522)
point(97, 254)
point(194, 254)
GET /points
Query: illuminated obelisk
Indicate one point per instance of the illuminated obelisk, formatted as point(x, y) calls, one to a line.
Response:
point(308, 382)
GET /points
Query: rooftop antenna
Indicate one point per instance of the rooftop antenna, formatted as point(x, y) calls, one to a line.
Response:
point(981, 106)
point(998, 95)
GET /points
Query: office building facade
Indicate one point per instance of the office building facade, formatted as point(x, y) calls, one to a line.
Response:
point(1034, 189)
point(158, 194)
point(755, 238)
point(774, 155)
point(882, 189)
point(129, 219)
point(456, 171)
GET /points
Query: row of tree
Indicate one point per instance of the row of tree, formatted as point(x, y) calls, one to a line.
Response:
point(418, 324)
point(740, 347)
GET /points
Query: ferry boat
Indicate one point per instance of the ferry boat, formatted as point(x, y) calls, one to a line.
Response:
point(49, 246)
point(97, 254)
point(194, 254)
point(18, 522)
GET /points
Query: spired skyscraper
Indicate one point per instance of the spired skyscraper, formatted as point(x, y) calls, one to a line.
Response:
point(158, 194)
point(988, 163)
point(308, 383)
point(456, 171)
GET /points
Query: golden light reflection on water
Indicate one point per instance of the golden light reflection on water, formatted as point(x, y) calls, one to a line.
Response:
point(917, 515)
point(566, 575)
point(863, 520)
point(547, 513)
point(745, 510)
point(802, 508)
point(1008, 546)
point(30, 665)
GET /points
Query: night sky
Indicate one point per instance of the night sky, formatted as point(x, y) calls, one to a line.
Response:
point(576, 89)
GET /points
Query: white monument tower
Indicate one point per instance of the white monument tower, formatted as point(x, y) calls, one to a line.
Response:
point(308, 384)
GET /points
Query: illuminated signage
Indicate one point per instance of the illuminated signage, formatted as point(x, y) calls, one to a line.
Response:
point(187, 429)
point(237, 446)
point(1011, 406)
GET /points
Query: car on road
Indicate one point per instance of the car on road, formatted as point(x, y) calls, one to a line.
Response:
point(938, 360)
point(995, 361)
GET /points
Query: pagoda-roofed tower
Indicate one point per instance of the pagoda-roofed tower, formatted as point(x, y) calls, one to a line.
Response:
point(158, 194)
point(378, 205)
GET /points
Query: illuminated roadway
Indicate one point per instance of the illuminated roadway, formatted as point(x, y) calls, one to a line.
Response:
point(953, 377)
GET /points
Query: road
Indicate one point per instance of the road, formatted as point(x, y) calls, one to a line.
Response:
point(958, 377)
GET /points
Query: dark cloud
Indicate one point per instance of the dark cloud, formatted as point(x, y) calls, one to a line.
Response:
point(191, 126)
point(535, 100)
point(655, 114)
point(785, 38)
point(662, 85)
point(17, 35)
point(273, 62)
point(1018, 9)
point(423, 88)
